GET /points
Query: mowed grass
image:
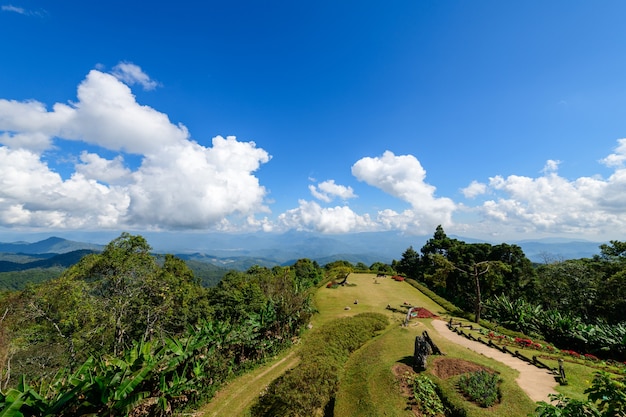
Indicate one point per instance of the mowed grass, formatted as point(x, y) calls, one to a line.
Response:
point(238, 395)
point(368, 387)
point(373, 294)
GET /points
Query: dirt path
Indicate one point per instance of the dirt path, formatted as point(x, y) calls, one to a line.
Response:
point(233, 399)
point(535, 382)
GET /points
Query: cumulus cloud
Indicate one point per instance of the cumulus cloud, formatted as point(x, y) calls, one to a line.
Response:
point(617, 158)
point(131, 74)
point(93, 166)
point(403, 177)
point(311, 216)
point(551, 166)
point(474, 189)
point(328, 190)
point(551, 203)
point(178, 184)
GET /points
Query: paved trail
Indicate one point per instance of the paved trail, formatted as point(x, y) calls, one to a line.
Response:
point(535, 382)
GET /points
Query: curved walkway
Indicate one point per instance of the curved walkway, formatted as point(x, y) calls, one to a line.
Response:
point(535, 382)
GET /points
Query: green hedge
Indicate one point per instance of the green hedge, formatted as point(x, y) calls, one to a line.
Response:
point(447, 305)
point(310, 386)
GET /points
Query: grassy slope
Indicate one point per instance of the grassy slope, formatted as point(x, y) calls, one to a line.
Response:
point(368, 386)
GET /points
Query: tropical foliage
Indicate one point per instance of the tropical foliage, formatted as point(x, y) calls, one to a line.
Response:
point(122, 332)
point(606, 398)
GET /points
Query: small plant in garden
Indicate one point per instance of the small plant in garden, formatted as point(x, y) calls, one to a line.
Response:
point(425, 396)
point(605, 398)
point(481, 387)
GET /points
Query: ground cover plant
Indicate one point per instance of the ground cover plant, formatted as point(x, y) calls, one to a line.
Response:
point(606, 398)
point(481, 387)
point(425, 396)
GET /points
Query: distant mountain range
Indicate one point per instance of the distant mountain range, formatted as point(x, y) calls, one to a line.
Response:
point(54, 245)
point(240, 251)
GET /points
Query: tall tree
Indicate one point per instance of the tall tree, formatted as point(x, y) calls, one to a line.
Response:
point(570, 287)
point(438, 246)
point(409, 264)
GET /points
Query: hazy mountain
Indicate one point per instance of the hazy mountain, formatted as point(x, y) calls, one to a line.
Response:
point(240, 251)
point(50, 245)
point(558, 249)
point(59, 260)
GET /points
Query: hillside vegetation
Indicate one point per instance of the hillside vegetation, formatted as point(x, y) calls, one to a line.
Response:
point(123, 332)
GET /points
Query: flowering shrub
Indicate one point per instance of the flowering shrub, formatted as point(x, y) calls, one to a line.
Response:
point(571, 353)
point(591, 357)
point(523, 342)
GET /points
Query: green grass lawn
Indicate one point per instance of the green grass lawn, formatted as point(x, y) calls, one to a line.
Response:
point(368, 386)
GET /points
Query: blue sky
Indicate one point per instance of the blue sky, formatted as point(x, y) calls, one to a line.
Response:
point(498, 120)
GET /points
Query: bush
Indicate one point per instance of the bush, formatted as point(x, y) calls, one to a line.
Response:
point(425, 396)
point(307, 388)
point(481, 387)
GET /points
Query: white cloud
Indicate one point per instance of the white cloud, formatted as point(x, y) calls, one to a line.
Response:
point(474, 189)
point(131, 74)
point(311, 216)
point(32, 195)
point(553, 204)
point(193, 186)
point(106, 115)
point(551, 166)
point(403, 177)
point(328, 190)
point(616, 159)
point(11, 8)
point(95, 167)
point(179, 184)
point(35, 141)
point(21, 10)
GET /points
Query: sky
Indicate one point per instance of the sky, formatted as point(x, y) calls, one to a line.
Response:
point(497, 120)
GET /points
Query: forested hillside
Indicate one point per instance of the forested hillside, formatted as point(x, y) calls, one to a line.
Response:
point(125, 332)
point(122, 328)
point(579, 304)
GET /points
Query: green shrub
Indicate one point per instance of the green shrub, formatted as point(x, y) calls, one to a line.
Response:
point(606, 398)
point(306, 389)
point(425, 396)
point(481, 387)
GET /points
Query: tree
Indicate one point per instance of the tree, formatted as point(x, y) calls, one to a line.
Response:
point(307, 273)
point(570, 287)
point(409, 264)
point(381, 268)
point(476, 271)
point(236, 296)
point(440, 243)
point(119, 276)
point(521, 279)
point(615, 251)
